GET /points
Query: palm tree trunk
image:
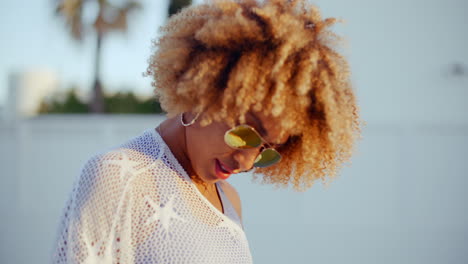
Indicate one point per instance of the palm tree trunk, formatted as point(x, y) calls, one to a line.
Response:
point(176, 5)
point(97, 102)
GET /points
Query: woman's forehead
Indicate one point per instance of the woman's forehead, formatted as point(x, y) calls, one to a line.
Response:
point(268, 127)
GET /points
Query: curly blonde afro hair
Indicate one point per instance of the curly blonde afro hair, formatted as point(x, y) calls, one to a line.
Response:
point(274, 57)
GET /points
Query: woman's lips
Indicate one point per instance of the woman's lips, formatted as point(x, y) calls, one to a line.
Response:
point(225, 168)
point(220, 172)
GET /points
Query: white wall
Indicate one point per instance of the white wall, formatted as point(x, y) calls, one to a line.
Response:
point(403, 200)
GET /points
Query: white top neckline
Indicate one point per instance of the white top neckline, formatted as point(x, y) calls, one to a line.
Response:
point(224, 199)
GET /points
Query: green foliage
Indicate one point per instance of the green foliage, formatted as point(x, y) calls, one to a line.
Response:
point(71, 104)
point(129, 103)
point(176, 5)
point(119, 103)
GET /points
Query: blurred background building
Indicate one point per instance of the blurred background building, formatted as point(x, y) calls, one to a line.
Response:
point(26, 90)
point(403, 199)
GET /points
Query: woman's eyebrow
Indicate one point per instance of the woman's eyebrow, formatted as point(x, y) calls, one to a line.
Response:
point(264, 132)
point(278, 145)
point(260, 125)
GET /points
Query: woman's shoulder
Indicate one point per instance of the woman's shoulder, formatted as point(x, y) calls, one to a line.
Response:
point(142, 146)
point(126, 159)
point(233, 196)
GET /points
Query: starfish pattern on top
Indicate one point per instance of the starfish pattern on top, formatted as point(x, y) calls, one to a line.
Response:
point(163, 213)
point(93, 251)
point(127, 166)
point(234, 232)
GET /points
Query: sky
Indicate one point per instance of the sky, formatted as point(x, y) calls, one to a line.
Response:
point(399, 67)
point(34, 38)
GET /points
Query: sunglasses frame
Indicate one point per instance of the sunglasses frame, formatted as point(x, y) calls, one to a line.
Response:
point(261, 138)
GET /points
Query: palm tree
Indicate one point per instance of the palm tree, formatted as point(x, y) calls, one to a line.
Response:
point(110, 17)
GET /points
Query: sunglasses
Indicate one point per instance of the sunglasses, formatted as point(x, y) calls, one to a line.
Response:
point(246, 137)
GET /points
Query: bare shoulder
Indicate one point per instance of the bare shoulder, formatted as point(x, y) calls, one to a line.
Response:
point(233, 197)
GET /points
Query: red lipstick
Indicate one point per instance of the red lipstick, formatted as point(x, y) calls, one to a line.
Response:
point(221, 173)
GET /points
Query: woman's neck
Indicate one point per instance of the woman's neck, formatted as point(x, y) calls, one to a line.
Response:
point(173, 134)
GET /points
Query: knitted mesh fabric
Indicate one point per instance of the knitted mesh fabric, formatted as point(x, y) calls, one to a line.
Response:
point(134, 203)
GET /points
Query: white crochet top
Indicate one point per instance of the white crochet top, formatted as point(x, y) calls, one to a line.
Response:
point(135, 203)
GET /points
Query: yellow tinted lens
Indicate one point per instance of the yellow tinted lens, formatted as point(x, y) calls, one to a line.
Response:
point(242, 137)
point(267, 158)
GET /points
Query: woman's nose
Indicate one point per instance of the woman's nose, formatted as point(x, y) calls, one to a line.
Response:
point(246, 158)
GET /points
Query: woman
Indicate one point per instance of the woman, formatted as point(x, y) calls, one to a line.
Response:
point(247, 86)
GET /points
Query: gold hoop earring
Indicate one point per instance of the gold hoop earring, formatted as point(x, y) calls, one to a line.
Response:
point(191, 122)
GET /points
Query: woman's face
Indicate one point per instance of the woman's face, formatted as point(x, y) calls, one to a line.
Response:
point(207, 150)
